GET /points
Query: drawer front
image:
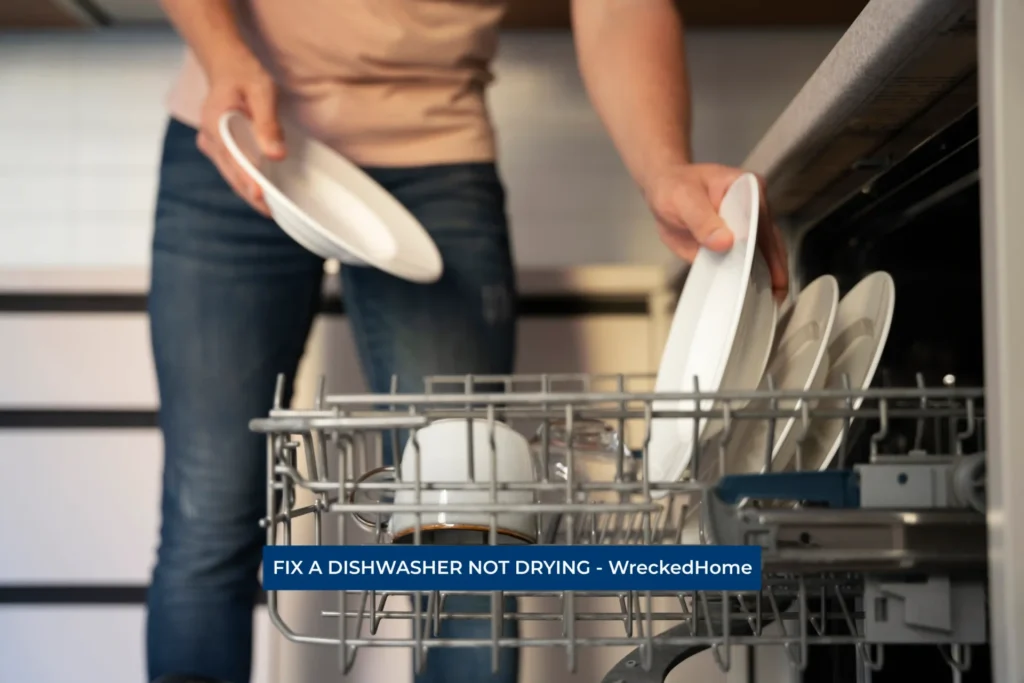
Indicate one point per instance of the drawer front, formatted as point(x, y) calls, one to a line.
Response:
point(76, 361)
point(92, 515)
point(46, 644)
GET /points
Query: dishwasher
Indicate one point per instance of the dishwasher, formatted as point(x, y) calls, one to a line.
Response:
point(903, 559)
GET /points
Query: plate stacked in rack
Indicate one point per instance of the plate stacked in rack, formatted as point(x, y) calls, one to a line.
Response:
point(720, 337)
point(824, 343)
point(726, 338)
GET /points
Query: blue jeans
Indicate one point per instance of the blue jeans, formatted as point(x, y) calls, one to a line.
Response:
point(231, 304)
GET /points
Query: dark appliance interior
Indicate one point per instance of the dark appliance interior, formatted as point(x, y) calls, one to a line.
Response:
point(919, 220)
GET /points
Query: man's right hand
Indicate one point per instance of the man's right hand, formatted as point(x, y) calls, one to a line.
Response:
point(244, 86)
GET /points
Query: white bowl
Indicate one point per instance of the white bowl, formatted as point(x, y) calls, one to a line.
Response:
point(443, 448)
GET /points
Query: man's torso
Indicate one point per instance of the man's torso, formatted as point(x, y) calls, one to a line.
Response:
point(385, 82)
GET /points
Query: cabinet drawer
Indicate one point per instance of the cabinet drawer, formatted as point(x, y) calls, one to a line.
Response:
point(92, 645)
point(84, 507)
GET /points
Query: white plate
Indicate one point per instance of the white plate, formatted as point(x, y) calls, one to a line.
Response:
point(855, 350)
point(799, 363)
point(752, 348)
point(703, 330)
point(331, 207)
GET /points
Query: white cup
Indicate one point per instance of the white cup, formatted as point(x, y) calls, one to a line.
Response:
point(444, 458)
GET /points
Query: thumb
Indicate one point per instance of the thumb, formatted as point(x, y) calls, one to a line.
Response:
point(262, 102)
point(700, 217)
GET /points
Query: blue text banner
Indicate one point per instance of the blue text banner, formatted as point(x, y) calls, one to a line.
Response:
point(512, 568)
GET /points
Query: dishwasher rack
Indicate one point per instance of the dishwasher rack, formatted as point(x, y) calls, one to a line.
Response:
point(887, 547)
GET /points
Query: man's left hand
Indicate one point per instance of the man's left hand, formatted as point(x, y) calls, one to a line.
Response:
point(685, 200)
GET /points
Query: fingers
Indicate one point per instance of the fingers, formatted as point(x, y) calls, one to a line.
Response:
point(687, 209)
point(256, 101)
point(694, 210)
point(243, 185)
point(261, 101)
point(680, 242)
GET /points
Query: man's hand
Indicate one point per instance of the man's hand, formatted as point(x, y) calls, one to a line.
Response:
point(633, 60)
point(241, 85)
point(685, 199)
point(236, 81)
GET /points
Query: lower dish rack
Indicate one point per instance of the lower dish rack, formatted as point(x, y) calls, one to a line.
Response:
point(887, 547)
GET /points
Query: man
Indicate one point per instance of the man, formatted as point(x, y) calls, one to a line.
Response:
point(397, 86)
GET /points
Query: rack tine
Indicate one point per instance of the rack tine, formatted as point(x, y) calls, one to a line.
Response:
point(695, 459)
point(923, 404)
point(820, 621)
point(309, 456)
point(722, 652)
point(375, 611)
point(726, 435)
point(366, 598)
point(626, 606)
point(958, 658)
point(569, 616)
point(680, 526)
point(805, 431)
point(645, 465)
point(471, 442)
point(620, 385)
point(872, 656)
point(279, 386)
point(759, 616)
point(802, 649)
point(949, 381)
point(393, 433)
point(883, 428)
point(647, 648)
point(845, 439)
point(970, 426)
point(769, 441)
point(435, 614)
point(321, 392)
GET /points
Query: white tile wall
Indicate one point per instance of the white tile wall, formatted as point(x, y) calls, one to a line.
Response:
point(82, 116)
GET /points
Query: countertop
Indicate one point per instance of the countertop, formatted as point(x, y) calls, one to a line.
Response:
point(596, 280)
point(883, 36)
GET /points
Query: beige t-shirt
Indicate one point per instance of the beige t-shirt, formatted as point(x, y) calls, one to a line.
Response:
point(384, 82)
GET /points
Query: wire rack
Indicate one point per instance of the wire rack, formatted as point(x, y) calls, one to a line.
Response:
point(324, 463)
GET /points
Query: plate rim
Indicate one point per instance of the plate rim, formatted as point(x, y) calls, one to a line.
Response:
point(889, 282)
point(785, 426)
point(769, 303)
point(680, 453)
point(404, 269)
point(820, 357)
